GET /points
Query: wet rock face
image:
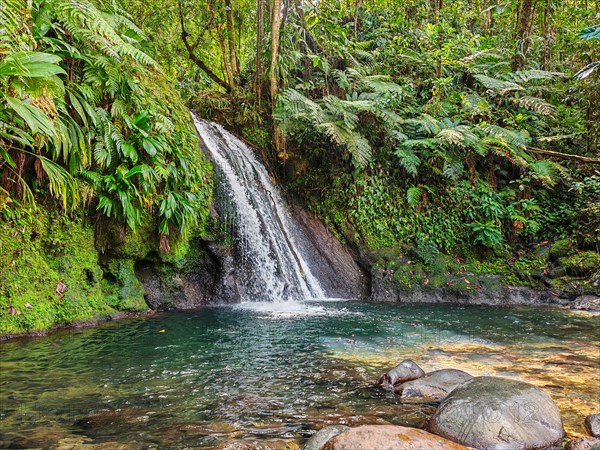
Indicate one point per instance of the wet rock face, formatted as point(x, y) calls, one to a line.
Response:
point(434, 386)
point(204, 278)
point(385, 290)
point(592, 424)
point(407, 370)
point(492, 413)
point(331, 262)
point(320, 438)
point(389, 437)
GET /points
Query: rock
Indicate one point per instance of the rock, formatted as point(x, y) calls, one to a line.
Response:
point(108, 418)
point(333, 263)
point(585, 443)
point(557, 272)
point(434, 386)
point(407, 370)
point(320, 438)
point(389, 437)
point(586, 302)
point(263, 444)
point(492, 413)
point(492, 293)
point(581, 264)
point(542, 252)
point(592, 422)
point(560, 248)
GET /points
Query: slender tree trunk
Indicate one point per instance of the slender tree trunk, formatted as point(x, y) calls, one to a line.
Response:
point(524, 26)
point(231, 39)
point(549, 33)
point(275, 31)
point(273, 82)
point(260, 38)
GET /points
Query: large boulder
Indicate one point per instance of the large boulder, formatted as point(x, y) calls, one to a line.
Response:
point(407, 370)
point(592, 423)
point(492, 413)
point(434, 386)
point(389, 437)
point(320, 438)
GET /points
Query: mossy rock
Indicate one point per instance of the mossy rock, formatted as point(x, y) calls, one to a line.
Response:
point(581, 264)
point(131, 293)
point(560, 249)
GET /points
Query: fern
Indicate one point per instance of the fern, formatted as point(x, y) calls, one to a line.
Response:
point(413, 196)
point(535, 104)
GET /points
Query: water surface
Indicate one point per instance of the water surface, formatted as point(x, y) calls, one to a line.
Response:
point(198, 379)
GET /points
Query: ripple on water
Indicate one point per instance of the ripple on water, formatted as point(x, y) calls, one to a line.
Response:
point(266, 371)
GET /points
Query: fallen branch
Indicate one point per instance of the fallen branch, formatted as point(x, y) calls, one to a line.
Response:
point(585, 159)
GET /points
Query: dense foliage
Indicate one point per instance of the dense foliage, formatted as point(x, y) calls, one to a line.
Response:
point(88, 118)
point(459, 130)
point(470, 126)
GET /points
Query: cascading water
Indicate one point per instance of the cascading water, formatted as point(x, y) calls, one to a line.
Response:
point(269, 264)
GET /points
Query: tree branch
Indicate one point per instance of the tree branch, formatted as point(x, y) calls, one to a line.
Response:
point(584, 159)
point(190, 49)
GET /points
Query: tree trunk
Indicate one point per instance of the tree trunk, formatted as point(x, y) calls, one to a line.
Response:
point(260, 38)
point(273, 82)
point(231, 39)
point(275, 30)
point(549, 33)
point(522, 35)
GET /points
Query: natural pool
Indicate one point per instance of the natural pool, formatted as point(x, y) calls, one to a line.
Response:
point(197, 379)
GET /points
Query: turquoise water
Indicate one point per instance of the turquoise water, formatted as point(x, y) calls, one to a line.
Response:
point(202, 378)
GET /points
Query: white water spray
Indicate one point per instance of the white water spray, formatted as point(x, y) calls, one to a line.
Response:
point(269, 265)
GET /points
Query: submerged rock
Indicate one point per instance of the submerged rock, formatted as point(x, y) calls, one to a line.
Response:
point(492, 413)
point(389, 437)
point(584, 444)
point(434, 386)
point(263, 444)
point(407, 370)
point(320, 438)
point(592, 424)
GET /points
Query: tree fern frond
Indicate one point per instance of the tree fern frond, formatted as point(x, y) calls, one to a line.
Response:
point(535, 104)
point(525, 76)
point(500, 86)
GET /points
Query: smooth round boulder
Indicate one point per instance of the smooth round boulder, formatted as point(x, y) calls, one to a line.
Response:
point(492, 413)
point(592, 424)
point(407, 370)
point(320, 438)
point(389, 437)
point(434, 386)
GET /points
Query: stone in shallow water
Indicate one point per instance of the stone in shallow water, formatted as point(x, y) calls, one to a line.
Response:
point(592, 424)
point(492, 413)
point(320, 438)
point(407, 370)
point(263, 444)
point(389, 437)
point(434, 386)
point(585, 443)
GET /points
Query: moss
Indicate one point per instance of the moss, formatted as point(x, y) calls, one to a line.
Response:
point(581, 264)
point(560, 249)
point(50, 274)
point(131, 294)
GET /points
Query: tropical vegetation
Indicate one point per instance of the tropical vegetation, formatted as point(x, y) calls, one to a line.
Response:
point(461, 129)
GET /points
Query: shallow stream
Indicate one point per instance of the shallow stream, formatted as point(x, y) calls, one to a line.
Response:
point(198, 379)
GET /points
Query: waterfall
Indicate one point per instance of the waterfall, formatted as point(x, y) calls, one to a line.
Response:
point(269, 264)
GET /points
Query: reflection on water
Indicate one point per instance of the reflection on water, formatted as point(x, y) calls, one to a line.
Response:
point(249, 372)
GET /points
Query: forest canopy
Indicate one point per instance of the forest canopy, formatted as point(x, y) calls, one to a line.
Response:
point(394, 108)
